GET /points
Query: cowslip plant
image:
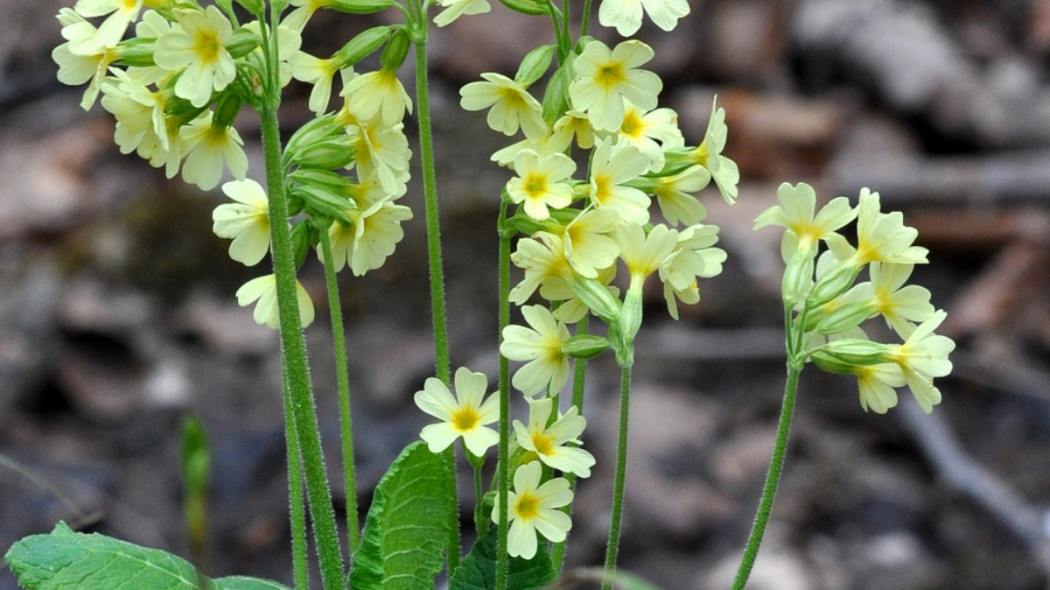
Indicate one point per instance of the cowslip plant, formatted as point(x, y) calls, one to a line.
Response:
point(601, 199)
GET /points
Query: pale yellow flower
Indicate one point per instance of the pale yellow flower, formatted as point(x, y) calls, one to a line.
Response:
point(612, 166)
point(555, 444)
point(207, 149)
point(541, 182)
point(626, 15)
point(377, 95)
point(535, 508)
point(605, 77)
point(804, 227)
point(247, 221)
point(461, 416)
point(197, 49)
point(510, 105)
point(263, 292)
point(454, 9)
point(540, 347)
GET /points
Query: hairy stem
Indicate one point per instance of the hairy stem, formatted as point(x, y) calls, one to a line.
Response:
point(502, 469)
point(769, 490)
point(613, 545)
point(299, 399)
point(342, 373)
point(437, 275)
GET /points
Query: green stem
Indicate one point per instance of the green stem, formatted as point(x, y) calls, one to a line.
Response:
point(299, 396)
point(295, 499)
point(502, 468)
point(479, 496)
point(578, 380)
point(346, 428)
point(437, 278)
point(613, 545)
point(769, 490)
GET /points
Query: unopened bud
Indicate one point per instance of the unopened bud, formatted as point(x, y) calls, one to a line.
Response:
point(584, 346)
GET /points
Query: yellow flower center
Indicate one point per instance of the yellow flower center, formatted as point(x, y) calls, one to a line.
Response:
point(700, 154)
point(527, 507)
point(632, 124)
point(536, 185)
point(465, 419)
point(601, 187)
point(611, 75)
point(543, 442)
point(207, 46)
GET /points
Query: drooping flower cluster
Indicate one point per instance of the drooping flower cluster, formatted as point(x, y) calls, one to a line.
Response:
point(829, 306)
point(177, 83)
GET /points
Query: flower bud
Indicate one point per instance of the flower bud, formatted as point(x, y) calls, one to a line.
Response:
point(630, 318)
point(256, 7)
point(244, 41)
point(328, 154)
point(396, 50)
point(359, 6)
point(533, 7)
point(556, 96)
point(535, 65)
point(797, 280)
point(834, 283)
point(137, 52)
point(845, 317)
point(584, 346)
point(227, 107)
point(596, 297)
point(302, 241)
point(362, 45)
point(852, 352)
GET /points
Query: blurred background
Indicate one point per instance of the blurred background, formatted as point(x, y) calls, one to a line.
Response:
point(117, 315)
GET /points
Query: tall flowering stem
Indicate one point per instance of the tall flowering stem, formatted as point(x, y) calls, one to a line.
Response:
point(295, 499)
point(578, 382)
point(342, 374)
point(299, 399)
point(769, 489)
point(616, 514)
point(502, 468)
point(437, 275)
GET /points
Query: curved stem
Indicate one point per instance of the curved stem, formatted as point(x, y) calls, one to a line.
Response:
point(299, 396)
point(437, 277)
point(342, 374)
point(613, 545)
point(502, 468)
point(769, 490)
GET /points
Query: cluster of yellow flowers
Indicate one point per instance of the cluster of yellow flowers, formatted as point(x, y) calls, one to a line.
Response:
point(828, 306)
point(631, 209)
point(178, 83)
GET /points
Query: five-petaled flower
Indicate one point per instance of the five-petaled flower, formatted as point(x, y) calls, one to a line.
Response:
point(533, 508)
point(462, 416)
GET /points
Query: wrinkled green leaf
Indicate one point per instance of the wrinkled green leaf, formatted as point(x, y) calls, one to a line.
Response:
point(67, 560)
point(478, 570)
point(407, 530)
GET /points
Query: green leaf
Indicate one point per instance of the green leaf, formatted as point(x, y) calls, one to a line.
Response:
point(406, 533)
point(66, 560)
point(478, 570)
point(246, 583)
